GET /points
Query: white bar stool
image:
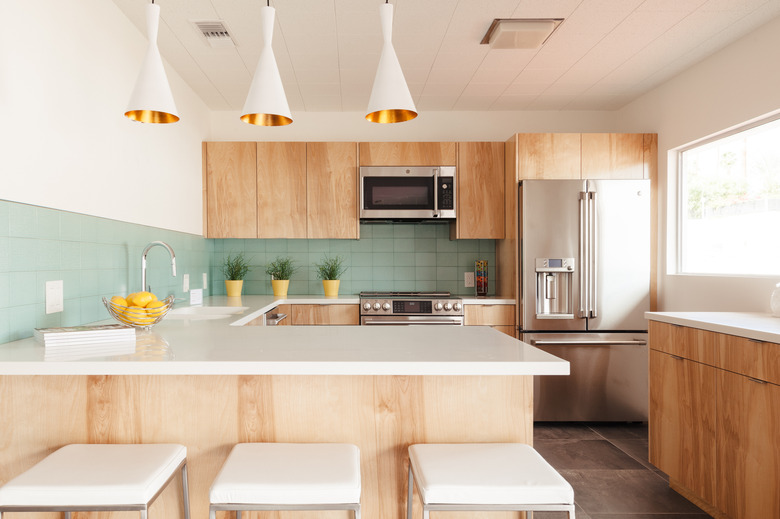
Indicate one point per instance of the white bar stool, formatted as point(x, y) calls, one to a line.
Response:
point(485, 476)
point(97, 477)
point(288, 476)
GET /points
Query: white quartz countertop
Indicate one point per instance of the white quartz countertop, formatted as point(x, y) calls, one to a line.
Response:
point(758, 326)
point(219, 346)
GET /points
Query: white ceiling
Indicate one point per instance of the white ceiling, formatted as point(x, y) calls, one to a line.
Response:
point(605, 53)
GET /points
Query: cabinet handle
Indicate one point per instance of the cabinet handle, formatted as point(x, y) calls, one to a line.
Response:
point(757, 381)
point(677, 357)
point(756, 341)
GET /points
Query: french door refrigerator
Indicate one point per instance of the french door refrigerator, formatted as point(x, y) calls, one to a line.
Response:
point(585, 285)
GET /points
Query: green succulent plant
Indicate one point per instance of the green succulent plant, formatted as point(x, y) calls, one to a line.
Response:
point(331, 268)
point(281, 268)
point(236, 267)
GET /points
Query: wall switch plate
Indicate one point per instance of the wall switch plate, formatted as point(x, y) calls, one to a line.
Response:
point(468, 279)
point(186, 283)
point(196, 296)
point(205, 281)
point(54, 297)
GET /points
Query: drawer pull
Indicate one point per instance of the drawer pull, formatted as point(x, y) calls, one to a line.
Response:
point(757, 381)
point(677, 357)
point(756, 341)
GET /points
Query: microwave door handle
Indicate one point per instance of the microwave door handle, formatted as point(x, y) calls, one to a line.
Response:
point(436, 192)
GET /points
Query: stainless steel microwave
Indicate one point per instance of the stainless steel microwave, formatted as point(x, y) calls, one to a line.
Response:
point(414, 193)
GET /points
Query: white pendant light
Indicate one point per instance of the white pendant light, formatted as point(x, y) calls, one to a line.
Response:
point(266, 104)
point(391, 101)
point(151, 100)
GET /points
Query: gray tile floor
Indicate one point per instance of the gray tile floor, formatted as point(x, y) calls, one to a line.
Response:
point(608, 468)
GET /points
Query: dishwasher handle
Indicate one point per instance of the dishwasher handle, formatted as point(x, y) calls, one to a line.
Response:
point(552, 342)
point(274, 319)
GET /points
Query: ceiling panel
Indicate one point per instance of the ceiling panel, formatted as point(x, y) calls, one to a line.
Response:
point(604, 54)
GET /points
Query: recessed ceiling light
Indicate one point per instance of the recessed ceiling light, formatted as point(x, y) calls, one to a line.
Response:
point(520, 33)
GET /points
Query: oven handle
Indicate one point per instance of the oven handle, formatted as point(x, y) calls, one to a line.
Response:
point(458, 321)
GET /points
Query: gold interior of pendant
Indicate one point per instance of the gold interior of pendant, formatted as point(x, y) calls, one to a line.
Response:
point(391, 116)
point(266, 119)
point(151, 116)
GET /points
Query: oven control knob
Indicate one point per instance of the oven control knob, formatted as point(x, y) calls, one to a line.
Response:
point(385, 306)
point(366, 306)
point(456, 307)
point(377, 306)
point(448, 306)
point(438, 306)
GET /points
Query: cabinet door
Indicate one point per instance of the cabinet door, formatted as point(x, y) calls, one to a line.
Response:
point(613, 155)
point(480, 187)
point(281, 189)
point(231, 189)
point(682, 421)
point(331, 193)
point(489, 315)
point(548, 155)
point(408, 153)
point(748, 447)
point(310, 315)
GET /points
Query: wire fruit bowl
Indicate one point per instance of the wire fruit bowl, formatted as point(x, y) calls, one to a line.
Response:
point(139, 317)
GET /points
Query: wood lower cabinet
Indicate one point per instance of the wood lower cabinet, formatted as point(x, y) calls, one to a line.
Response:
point(281, 189)
point(231, 189)
point(331, 192)
point(715, 422)
point(408, 153)
point(500, 317)
point(331, 315)
point(480, 191)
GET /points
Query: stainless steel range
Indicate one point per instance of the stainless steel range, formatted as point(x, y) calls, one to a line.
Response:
point(406, 308)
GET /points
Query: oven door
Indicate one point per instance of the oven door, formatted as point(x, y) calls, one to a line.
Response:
point(407, 320)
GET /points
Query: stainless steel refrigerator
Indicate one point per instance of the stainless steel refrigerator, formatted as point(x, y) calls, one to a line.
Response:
point(585, 285)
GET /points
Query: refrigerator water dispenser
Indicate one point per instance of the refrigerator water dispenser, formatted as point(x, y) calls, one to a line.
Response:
point(554, 298)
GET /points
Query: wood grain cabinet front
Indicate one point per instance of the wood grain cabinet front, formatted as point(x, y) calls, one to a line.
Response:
point(408, 153)
point(281, 190)
point(230, 182)
point(329, 315)
point(480, 191)
point(499, 317)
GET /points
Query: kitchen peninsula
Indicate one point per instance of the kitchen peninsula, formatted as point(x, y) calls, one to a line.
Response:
point(209, 385)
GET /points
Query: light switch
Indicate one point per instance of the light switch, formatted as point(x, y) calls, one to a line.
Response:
point(54, 297)
point(196, 296)
point(468, 279)
point(186, 283)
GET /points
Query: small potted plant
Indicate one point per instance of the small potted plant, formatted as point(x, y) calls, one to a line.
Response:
point(330, 271)
point(280, 270)
point(235, 268)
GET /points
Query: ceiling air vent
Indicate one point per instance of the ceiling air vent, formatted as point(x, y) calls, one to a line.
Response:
point(216, 34)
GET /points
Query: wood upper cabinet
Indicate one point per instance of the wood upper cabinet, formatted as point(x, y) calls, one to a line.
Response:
point(548, 155)
point(682, 421)
point(480, 191)
point(231, 189)
point(331, 192)
point(613, 155)
point(281, 190)
point(312, 315)
point(748, 446)
point(408, 153)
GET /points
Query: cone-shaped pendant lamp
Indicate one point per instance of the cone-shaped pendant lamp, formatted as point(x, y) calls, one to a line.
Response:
point(390, 100)
point(152, 101)
point(266, 104)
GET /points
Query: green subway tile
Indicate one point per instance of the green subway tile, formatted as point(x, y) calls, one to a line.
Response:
point(5, 287)
point(382, 245)
point(106, 282)
point(366, 231)
point(71, 314)
point(251, 246)
point(21, 322)
point(71, 283)
point(90, 285)
point(5, 256)
point(48, 225)
point(359, 273)
point(403, 259)
point(71, 255)
point(298, 246)
point(315, 288)
point(92, 309)
point(276, 246)
point(446, 273)
point(70, 227)
point(362, 246)
point(218, 246)
point(4, 218)
point(403, 231)
point(442, 230)
point(383, 260)
point(425, 259)
point(298, 287)
point(234, 245)
point(425, 286)
point(468, 245)
point(44, 320)
point(446, 260)
point(22, 288)
point(341, 246)
point(383, 231)
point(467, 259)
point(425, 231)
point(345, 288)
point(89, 256)
point(424, 245)
point(22, 221)
point(444, 245)
point(425, 273)
point(89, 227)
point(49, 255)
point(405, 286)
point(4, 325)
point(362, 259)
point(22, 253)
point(382, 285)
point(253, 287)
point(358, 286)
point(40, 279)
point(404, 273)
point(403, 245)
point(382, 273)
point(319, 245)
point(448, 286)
point(487, 246)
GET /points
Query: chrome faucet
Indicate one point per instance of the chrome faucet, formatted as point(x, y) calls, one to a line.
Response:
point(143, 261)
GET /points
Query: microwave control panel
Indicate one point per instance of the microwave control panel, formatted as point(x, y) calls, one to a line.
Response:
point(446, 193)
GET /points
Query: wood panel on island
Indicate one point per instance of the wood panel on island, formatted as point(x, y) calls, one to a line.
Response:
point(714, 423)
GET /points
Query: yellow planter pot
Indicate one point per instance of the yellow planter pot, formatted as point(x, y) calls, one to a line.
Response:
point(280, 287)
point(331, 287)
point(233, 287)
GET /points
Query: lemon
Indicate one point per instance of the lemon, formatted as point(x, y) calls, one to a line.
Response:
point(118, 301)
point(155, 309)
point(137, 315)
point(142, 299)
point(129, 299)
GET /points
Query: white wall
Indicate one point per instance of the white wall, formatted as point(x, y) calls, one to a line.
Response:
point(428, 126)
point(66, 73)
point(739, 83)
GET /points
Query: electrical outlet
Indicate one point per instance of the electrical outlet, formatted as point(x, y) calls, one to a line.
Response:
point(186, 283)
point(468, 279)
point(205, 281)
point(54, 297)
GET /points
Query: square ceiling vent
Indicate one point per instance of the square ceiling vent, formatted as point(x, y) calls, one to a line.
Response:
point(520, 33)
point(216, 34)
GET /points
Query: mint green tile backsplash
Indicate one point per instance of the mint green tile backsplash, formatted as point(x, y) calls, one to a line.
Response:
point(388, 256)
point(94, 257)
point(98, 257)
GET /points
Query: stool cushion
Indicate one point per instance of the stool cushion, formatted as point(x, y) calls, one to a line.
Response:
point(95, 475)
point(486, 474)
point(289, 474)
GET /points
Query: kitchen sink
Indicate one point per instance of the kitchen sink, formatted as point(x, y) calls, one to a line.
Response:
point(205, 312)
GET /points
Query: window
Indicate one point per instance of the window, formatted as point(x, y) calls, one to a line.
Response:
point(729, 212)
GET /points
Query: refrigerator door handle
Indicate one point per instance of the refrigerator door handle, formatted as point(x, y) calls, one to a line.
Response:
point(583, 271)
point(638, 342)
point(593, 260)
